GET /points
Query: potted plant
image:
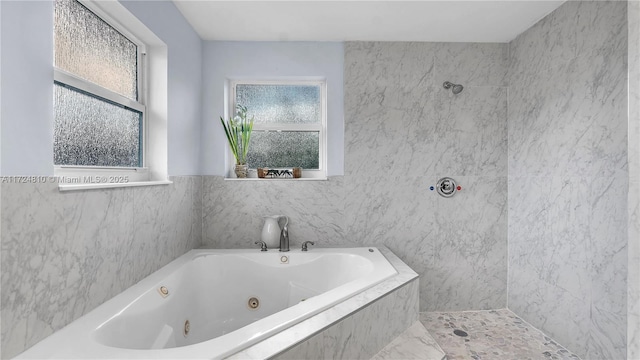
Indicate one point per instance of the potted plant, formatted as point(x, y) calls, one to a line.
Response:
point(238, 130)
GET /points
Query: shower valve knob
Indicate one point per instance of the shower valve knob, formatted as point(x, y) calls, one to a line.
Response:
point(447, 187)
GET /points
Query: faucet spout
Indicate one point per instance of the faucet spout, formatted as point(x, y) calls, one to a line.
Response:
point(284, 236)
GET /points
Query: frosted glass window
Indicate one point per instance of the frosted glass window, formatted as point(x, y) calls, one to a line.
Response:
point(284, 149)
point(90, 131)
point(281, 104)
point(91, 49)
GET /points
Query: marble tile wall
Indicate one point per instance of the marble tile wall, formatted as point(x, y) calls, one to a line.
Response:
point(233, 211)
point(63, 254)
point(404, 131)
point(568, 177)
point(633, 277)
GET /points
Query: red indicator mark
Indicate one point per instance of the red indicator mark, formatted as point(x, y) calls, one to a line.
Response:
point(459, 188)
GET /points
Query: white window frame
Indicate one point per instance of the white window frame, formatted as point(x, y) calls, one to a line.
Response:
point(104, 176)
point(321, 172)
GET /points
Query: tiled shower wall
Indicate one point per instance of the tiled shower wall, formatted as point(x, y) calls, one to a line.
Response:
point(63, 254)
point(633, 149)
point(568, 177)
point(403, 131)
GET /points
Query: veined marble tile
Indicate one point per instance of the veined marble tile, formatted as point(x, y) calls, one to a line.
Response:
point(360, 336)
point(536, 52)
point(404, 131)
point(633, 275)
point(414, 343)
point(55, 250)
point(471, 64)
point(567, 113)
point(568, 177)
point(427, 132)
point(63, 254)
point(552, 309)
point(633, 153)
point(399, 65)
point(458, 244)
point(196, 210)
point(549, 231)
point(607, 335)
point(392, 210)
point(233, 211)
point(601, 28)
point(469, 255)
point(609, 243)
point(633, 60)
point(567, 235)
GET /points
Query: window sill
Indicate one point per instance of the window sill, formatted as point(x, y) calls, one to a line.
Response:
point(75, 187)
point(277, 179)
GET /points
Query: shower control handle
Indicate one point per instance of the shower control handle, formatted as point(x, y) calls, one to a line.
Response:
point(446, 187)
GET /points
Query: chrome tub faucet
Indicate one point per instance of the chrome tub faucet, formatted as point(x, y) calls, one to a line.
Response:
point(263, 245)
point(284, 236)
point(304, 245)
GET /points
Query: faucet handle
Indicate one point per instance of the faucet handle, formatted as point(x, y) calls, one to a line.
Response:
point(304, 245)
point(263, 245)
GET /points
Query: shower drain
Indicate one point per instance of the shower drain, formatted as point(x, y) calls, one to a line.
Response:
point(460, 333)
point(253, 303)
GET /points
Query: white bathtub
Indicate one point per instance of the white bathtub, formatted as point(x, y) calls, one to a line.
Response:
point(212, 290)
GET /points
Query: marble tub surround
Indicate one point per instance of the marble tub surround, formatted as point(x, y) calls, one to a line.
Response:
point(491, 335)
point(354, 329)
point(568, 178)
point(403, 132)
point(65, 253)
point(233, 211)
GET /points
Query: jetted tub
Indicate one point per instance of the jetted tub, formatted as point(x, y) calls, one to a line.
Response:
point(214, 303)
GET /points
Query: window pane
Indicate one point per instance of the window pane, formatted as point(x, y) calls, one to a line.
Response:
point(283, 104)
point(284, 149)
point(93, 132)
point(89, 48)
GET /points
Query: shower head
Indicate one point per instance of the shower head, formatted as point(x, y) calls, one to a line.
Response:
point(455, 88)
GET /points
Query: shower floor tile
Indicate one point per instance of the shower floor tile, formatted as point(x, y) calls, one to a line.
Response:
point(491, 334)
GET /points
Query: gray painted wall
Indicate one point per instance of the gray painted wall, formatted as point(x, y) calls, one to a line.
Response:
point(224, 60)
point(184, 78)
point(27, 78)
point(568, 177)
